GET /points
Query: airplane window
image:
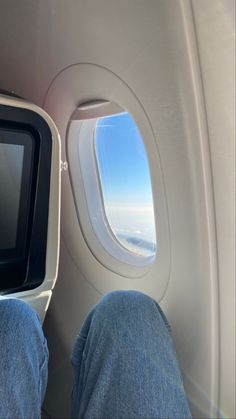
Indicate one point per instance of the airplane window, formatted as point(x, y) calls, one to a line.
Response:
point(112, 188)
point(125, 183)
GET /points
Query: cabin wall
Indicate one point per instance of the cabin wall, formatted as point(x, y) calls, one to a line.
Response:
point(160, 58)
point(215, 29)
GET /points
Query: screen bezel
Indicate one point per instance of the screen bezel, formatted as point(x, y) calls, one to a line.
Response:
point(13, 136)
point(29, 272)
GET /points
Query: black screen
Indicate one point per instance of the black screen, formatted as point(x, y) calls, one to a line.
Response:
point(11, 166)
point(16, 160)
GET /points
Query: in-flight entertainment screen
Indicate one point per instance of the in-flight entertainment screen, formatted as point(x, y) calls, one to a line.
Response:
point(11, 165)
point(16, 152)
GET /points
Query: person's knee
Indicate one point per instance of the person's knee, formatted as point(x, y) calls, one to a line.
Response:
point(126, 319)
point(17, 316)
point(125, 307)
point(121, 300)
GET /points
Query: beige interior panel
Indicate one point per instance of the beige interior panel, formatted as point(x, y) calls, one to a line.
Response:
point(176, 57)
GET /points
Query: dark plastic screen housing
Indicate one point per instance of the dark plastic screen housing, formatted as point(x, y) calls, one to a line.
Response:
point(25, 169)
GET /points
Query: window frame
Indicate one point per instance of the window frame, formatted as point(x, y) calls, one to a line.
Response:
point(94, 198)
point(114, 256)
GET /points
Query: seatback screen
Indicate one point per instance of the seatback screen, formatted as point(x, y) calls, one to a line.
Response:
point(26, 147)
point(16, 160)
point(11, 165)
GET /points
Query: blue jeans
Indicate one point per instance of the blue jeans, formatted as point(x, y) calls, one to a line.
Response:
point(124, 362)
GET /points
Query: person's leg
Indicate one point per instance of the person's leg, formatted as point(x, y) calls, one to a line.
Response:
point(125, 362)
point(23, 361)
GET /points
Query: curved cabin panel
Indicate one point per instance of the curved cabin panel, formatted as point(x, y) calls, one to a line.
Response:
point(170, 65)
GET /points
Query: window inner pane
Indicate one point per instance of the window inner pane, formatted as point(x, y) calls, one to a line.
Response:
point(125, 183)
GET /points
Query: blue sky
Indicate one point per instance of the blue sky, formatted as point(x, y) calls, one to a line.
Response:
point(122, 161)
point(125, 179)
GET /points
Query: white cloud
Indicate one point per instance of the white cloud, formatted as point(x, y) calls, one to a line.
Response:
point(137, 221)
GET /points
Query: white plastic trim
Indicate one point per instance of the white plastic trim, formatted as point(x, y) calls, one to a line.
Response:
point(81, 134)
point(75, 85)
point(53, 237)
point(95, 109)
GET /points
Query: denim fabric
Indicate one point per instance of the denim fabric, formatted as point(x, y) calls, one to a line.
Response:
point(125, 363)
point(23, 361)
